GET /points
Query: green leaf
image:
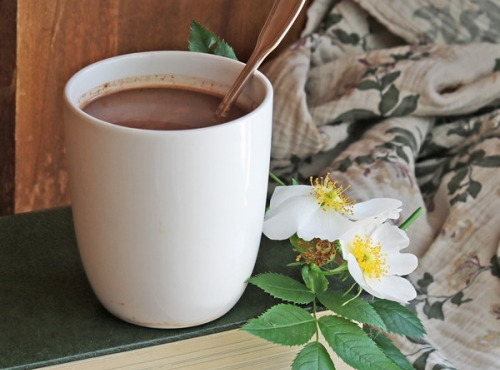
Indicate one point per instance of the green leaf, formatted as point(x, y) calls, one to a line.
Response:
point(314, 279)
point(405, 56)
point(353, 345)
point(346, 38)
point(368, 84)
point(344, 164)
point(405, 137)
point(476, 156)
point(426, 280)
point(428, 168)
point(205, 41)
point(458, 299)
point(468, 20)
point(401, 154)
point(391, 351)
point(495, 265)
point(355, 115)
point(368, 159)
point(459, 130)
point(398, 319)
point(389, 78)
point(313, 356)
point(357, 309)
point(421, 361)
point(283, 287)
point(407, 106)
point(283, 324)
point(474, 188)
point(457, 179)
point(490, 161)
point(497, 65)
point(332, 18)
point(389, 100)
point(435, 310)
point(441, 367)
point(462, 197)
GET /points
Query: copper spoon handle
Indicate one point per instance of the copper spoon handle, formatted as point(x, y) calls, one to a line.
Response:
point(279, 21)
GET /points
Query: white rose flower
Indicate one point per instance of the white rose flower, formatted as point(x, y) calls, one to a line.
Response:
point(321, 210)
point(372, 252)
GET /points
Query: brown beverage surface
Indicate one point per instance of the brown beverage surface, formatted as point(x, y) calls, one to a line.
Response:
point(160, 108)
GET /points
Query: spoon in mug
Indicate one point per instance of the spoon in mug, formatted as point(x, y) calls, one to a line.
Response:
point(279, 21)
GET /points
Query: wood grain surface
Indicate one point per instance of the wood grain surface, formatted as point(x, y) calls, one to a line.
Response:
point(7, 104)
point(57, 38)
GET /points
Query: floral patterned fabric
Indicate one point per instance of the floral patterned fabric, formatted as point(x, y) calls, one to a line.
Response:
point(401, 99)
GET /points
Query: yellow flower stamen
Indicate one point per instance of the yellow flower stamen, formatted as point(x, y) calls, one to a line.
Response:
point(330, 195)
point(369, 256)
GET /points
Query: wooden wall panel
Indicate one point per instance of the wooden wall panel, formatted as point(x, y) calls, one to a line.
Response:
point(57, 38)
point(7, 106)
point(152, 24)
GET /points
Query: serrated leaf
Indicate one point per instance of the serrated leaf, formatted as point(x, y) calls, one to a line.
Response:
point(357, 309)
point(398, 319)
point(283, 324)
point(391, 351)
point(283, 287)
point(353, 345)
point(205, 41)
point(313, 356)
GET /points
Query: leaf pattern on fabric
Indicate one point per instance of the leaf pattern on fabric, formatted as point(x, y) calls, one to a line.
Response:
point(401, 99)
point(444, 23)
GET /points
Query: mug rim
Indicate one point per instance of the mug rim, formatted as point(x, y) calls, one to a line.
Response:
point(75, 106)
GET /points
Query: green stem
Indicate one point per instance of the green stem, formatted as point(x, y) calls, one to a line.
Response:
point(353, 298)
point(338, 270)
point(411, 219)
point(275, 178)
point(315, 319)
point(349, 290)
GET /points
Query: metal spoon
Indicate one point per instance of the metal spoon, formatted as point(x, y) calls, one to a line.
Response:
point(279, 21)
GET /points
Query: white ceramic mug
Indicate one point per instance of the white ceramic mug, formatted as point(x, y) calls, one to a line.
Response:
point(168, 223)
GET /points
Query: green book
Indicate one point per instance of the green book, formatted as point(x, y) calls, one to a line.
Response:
point(49, 314)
